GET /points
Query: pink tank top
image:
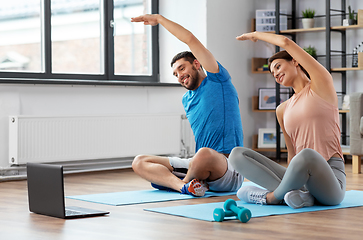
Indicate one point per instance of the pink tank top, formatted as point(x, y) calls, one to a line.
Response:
point(311, 122)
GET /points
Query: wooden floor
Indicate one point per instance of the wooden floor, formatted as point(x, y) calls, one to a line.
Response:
point(132, 222)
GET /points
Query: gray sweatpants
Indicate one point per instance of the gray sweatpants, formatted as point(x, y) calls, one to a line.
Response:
point(325, 180)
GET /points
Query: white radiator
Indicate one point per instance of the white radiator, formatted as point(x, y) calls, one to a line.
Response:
point(57, 139)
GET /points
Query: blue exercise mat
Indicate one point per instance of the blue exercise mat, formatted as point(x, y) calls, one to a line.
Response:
point(204, 212)
point(139, 197)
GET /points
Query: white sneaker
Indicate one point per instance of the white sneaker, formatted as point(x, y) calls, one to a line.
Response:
point(252, 194)
point(298, 199)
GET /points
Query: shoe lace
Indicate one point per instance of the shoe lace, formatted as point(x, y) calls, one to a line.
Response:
point(258, 197)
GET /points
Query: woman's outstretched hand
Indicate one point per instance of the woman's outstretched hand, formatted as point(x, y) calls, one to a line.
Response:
point(247, 36)
point(148, 19)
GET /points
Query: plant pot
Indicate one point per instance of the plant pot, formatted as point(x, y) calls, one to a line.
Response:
point(352, 22)
point(308, 22)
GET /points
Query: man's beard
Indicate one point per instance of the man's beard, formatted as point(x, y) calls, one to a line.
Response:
point(193, 79)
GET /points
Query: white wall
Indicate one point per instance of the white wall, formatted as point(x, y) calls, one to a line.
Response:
point(190, 14)
point(225, 21)
point(53, 100)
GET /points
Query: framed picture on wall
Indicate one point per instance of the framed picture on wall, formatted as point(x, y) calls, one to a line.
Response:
point(267, 98)
point(340, 100)
point(267, 138)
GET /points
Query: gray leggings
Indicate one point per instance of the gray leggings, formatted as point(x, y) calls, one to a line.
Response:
point(325, 180)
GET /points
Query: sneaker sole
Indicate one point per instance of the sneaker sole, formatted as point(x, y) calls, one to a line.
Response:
point(197, 188)
point(298, 199)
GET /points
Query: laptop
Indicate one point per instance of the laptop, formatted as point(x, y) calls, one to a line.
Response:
point(46, 193)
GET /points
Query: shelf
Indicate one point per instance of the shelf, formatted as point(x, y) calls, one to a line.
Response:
point(304, 30)
point(345, 149)
point(258, 63)
point(345, 69)
point(318, 29)
point(358, 68)
point(344, 111)
point(260, 71)
point(346, 27)
point(255, 148)
point(255, 106)
point(301, 30)
point(267, 150)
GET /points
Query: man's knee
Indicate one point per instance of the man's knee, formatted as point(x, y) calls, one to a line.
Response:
point(138, 162)
point(142, 163)
point(203, 155)
point(205, 152)
point(205, 158)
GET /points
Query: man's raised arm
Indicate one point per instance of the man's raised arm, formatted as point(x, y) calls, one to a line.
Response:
point(204, 56)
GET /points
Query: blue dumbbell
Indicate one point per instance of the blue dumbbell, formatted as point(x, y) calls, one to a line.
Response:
point(243, 214)
point(219, 214)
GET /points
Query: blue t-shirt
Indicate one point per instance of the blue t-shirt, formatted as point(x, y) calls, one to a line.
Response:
point(213, 113)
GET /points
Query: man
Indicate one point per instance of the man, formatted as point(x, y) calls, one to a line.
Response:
point(211, 106)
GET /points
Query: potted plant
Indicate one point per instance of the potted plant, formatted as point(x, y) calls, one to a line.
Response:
point(308, 18)
point(352, 17)
point(311, 50)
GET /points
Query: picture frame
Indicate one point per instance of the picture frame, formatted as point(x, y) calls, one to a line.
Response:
point(267, 98)
point(267, 138)
point(340, 101)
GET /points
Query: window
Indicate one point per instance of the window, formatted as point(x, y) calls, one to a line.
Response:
point(76, 36)
point(77, 41)
point(20, 41)
point(132, 53)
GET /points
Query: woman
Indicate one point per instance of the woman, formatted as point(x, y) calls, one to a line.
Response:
point(310, 123)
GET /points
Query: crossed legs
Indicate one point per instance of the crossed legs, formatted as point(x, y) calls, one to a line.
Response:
point(207, 164)
point(324, 180)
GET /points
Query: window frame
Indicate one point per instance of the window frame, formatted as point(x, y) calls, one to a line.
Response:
point(108, 77)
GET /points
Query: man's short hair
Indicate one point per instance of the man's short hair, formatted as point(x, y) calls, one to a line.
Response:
point(187, 55)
